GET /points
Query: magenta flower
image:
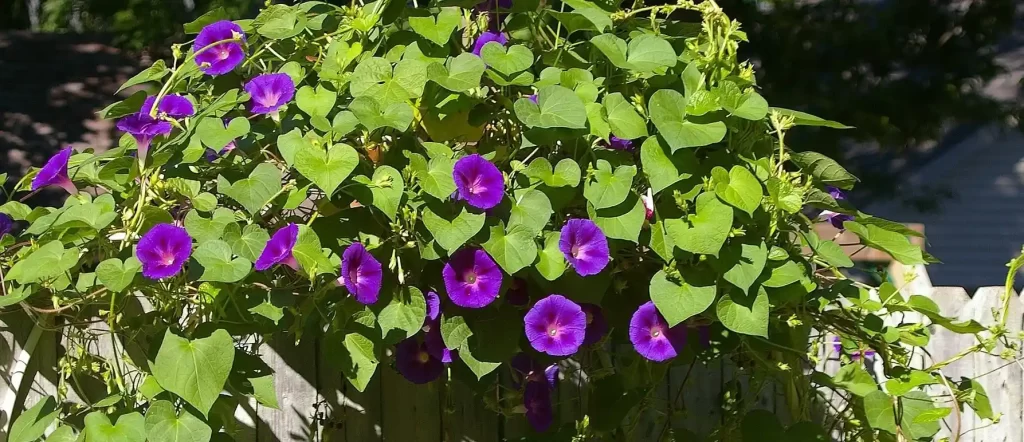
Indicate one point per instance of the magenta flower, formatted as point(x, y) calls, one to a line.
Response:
point(279, 249)
point(584, 246)
point(435, 344)
point(144, 129)
point(221, 58)
point(488, 37)
point(471, 278)
point(163, 251)
point(361, 273)
point(433, 306)
point(269, 92)
point(415, 363)
point(597, 326)
point(556, 326)
point(537, 400)
point(651, 335)
point(479, 182)
point(617, 143)
point(856, 355)
point(171, 105)
point(55, 172)
point(6, 224)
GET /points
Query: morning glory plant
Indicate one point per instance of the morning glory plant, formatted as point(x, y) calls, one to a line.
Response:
point(534, 202)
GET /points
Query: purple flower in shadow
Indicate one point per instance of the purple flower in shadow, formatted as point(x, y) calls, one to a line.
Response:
point(432, 328)
point(471, 278)
point(171, 105)
point(361, 273)
point(837, 345)
point(556, 326)
point(6, 224)
point(55, 172)
point(487, 37)
point(269, 92)
point(163, 251)
point(144, 129)
point(651, 335)
point(537, 400)
point(597, 326)
point(584, 246)
point(617, 143)
point(526, 370)
point(835, 218)
point(415, 363)
point(279, 249)
point(221, 58)
point(212, 155)
point(479, 182)
point(836, 193)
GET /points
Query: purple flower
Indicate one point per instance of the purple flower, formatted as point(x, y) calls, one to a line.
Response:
point(836, 193)
point(533, 98)
point(171, 105)
point(652, 337)
point(537, 400)
point(597, 326)
point(6, 224)
point(471, 278)
point(433, 306)
point(361, 273)
point(835, 218)
point(163, 251)
point(517, 294)
point(704, 332)
point(488, 37)
point(144, 128)
point(479, 182)
point(279, 249)
point(526, 370)
point(435, 344)
point(556, 326)
point(584, 246)
point(415, 363)
point(855, 355)
point(212, 155)
point(55, 172)
point(617, 143)
point(269, 92)
point(223, 57)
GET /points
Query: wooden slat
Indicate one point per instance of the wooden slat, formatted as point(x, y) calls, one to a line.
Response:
point(943, 345)
point(295, 371)
point(403, 403)
point(470, 420)
point(362, 411)
point(1003, 382)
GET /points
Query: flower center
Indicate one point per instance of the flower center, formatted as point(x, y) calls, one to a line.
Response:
point(353, 275)
point(223, 53)
point(476, 187)
point(553, 331)
point(575, 251)
point(655, 332)
point(167, 258)
point(469, 277)
point(423, 357)
point(269, 99)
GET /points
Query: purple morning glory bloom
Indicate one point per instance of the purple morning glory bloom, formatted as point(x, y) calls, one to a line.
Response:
point(836, 193)
point(6, 224)
point(526, 370)
point(55, 172)
point(471, 278)
point(479, 182)
point(617, 143)
point(433, 306)
point(361, 273)
point(144, 128)
point(269, 92)
point(435, 344)
point(171, 105)
point(533, 98)
point(651, 335)
point(856, 355)
point(556, 326)
point(279, 249)
point(597, 326)
point(488, 37)
point(517, 294)
point(835, 218)
point(163, 251)
point(584, 246)
point(221, 58)
point(415, 363)
point(537, 400)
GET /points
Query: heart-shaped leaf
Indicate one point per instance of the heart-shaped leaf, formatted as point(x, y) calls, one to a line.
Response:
point(343, 124)
point(130, 427)
point(531, 211)
point(291, 142)
point(705, 231)
point(744, 314)
point(664, 168)
point(194, 370)
point(551, 264)
point(644, 53)
point(597, 117)
point(440, 30)
point(451, 231)
point(256, 191)
point(339, 55)
point(61, 434)
point(667, 109)
point(45, 263)
point(738, 187)
point(32, 423)
point(375, 78)
point(622, 117)
point(247, 242)
point(116, 275)
point(680, 298)
point(556, 107)
point(217, 264)
point(514, 250)
point(462, 73)
point(622, 221)
point(507, 61)
point(434, 177)
point(748, 105)
point(214, 134)
point(824, 169)
point(566, 173)
point(202, 229)
point(741, 263)
point(373, 115)
point(316, 102)
point(524, 78)
point(384, 191)
point(164, 424)
point(607, 188)
point(404, 312)
point(327, 168)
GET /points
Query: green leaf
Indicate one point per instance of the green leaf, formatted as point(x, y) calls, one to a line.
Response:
point(153, 73)
point(130, 427)
point(204, 202)
point(566, 172)
point(762, 425)
point(211, 16)
point(607, 188)
point(913, 405)
point(202, 229)
point(327, 168)
point(706, 230)
point(264, 392)
point(61, 434)
point(32, 423)
point(824, 169)
point(384, 191)
point(895, 244)
point(339, 55)
point(215, 257)
point(280, 22)
point(530, 211)
point(291, 142)
point(437, 30)
point(748, 105)
point(315, 102)
point(214, 134)
point(124, 107)
point(434, 177)
point(681, 298)
point(623, 221)
point(785, 195)
point(309, 254)
point(507, 61)
point(738, 187)
point(116, 275)
point(344, 123)
point(372, 114)
point(551, 264)
point(625, 122)
point(663, 168)
point(644, 53)
point(454, 331)
point(513, 250)
point(375, 78)
point(741, 264)
point(247, 242)
point(784, 274)
point(855, 379)
point(667, 109)
point(878, 407)
point(973, 393)
point(164, 424)
point(195, 370)
point(899, 386)
point(805, 119)
point(363, 354)
point(43, 264)
point(405, 312)
point(744, 314)
point(831, 252)
point(598, 120)
point(451, 231)
point(556, 107)
point(661, 242)
point(585, 16)
point(478, 367)
point(255, 191)
point(461, 73)
point(614, 48)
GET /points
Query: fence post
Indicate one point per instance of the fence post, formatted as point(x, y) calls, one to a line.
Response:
point(943, 345)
